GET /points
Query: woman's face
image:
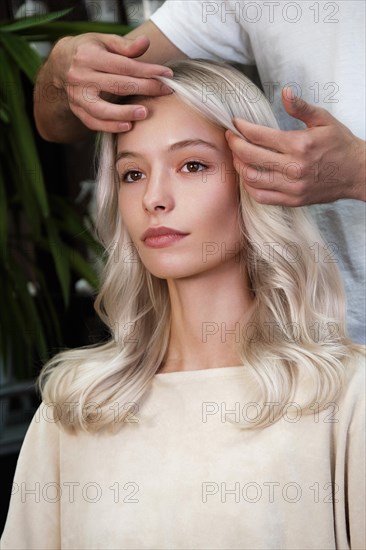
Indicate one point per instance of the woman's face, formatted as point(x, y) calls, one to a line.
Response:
point(175, 171)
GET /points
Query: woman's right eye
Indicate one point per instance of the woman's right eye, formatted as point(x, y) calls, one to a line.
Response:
point(131, 176)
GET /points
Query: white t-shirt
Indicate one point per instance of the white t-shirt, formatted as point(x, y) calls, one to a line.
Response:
point(318, 48)
point(179, 475)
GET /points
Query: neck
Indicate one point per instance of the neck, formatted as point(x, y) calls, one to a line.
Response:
point(209, 314)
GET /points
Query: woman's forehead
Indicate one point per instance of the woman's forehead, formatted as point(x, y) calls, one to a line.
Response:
point(170, 119)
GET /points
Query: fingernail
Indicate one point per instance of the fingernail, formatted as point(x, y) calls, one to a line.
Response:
point(166, 90)
point(290, 93)
point(124, 126)
point(139, 113)
point(168, 72)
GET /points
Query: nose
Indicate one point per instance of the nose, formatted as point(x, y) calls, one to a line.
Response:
point(158, 192)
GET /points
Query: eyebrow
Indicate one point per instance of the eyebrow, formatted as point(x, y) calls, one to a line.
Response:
point(174, 147)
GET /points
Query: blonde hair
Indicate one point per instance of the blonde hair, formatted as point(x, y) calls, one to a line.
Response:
point(295, 296)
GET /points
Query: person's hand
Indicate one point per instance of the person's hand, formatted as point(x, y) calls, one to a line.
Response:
point(322, 163)
point(92, 67)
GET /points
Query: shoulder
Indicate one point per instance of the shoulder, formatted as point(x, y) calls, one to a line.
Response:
point(351, 401)
point(356, 373)
point(43, 433)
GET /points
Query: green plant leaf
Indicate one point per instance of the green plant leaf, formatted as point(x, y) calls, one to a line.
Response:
point(23, 199)
point(85, 237)
point(72, 224)
point(20, 128)
point(57, 29)
point(4, 114)
point(3, 218)
point(48, 312)
point(27, 215)
point(19, 343)
point(27, 59)
point(34, 21)
point(34, 332)
point(82, 267)
point(60, 258)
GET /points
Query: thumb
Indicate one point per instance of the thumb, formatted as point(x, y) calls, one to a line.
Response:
point(300, 109)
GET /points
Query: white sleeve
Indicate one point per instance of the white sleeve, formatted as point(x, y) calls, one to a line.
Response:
point(208, 30)
point(33, 520)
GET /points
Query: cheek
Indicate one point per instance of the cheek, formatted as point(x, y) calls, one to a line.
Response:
point(222, 205)
point(128, 211)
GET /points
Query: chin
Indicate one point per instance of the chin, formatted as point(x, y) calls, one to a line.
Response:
point(162, 265)
point(181, 271)
point(177, 273)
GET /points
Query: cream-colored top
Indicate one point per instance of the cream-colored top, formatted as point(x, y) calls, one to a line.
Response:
point(181, 476)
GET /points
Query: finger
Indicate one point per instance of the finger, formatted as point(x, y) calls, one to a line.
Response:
point(136, 48)
point(300, 109)
point(264, 179)
point(100, 125)
point(118, 63)
point(253, 154)
point(288, 179)
point(257, 177)
point(118, 85)
point(269, 138)
point(122, 45)
point(275, 198)
point(105, 111)
point(144, 70)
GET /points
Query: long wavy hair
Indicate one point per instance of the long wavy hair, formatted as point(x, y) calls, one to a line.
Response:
point(298, 323)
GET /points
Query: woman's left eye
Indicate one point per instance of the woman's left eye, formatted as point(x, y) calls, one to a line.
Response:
point(194, 166)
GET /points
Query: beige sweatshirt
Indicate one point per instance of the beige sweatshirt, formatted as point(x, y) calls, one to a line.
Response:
point(180, 475)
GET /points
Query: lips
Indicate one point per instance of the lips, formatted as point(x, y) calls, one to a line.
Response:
point(159, 231)
point(162, 237)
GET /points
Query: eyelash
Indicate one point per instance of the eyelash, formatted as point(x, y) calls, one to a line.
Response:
point(123, 176)
point(195, 162)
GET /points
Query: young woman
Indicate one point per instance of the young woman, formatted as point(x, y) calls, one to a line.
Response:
point(226, 411)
